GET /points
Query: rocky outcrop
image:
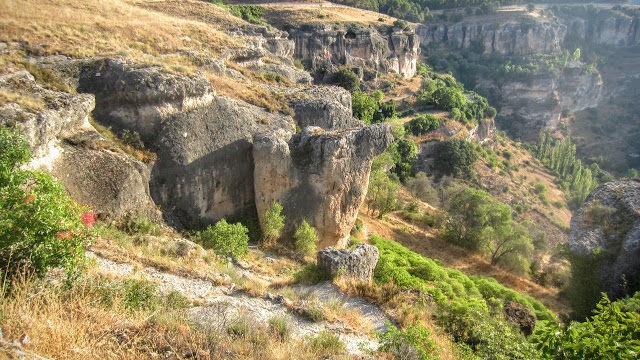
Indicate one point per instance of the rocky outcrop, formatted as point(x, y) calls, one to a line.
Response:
point(328, 107)
point(205, 165)
point(519, 35)
point(609, 223)
point(526, 106)
point(611, 29)
point(385, 49)
point(357, 264)
point(521, 316)
point(68, 147)
point(139, 98)
point(317, 176)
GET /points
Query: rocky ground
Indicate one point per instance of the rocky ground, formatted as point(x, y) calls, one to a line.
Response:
point(219, 303)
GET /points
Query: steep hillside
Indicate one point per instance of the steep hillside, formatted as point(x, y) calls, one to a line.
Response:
point(173, 175)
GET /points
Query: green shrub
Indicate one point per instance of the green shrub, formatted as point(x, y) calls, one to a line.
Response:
point(422, 124)
point(133, 294)
point(131, 138)
point(228, 240)
point(306, 238)
point(414, 343)
point(140, 225)
point(311, 275)
point(612, 333)
point(40, 227)
point(273, 222)
point(402, 24)
point(347, 79)
point(281, 325)
point(250, 13)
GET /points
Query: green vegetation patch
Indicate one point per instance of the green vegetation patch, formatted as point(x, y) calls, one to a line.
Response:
point(450, 288)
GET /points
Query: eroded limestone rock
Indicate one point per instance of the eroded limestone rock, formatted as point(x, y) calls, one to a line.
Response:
point(357, 264)
point(317, 176)
point(328, 107)
point(92, 170)
point(205, 165)
point(609, 221)
point(385, 49)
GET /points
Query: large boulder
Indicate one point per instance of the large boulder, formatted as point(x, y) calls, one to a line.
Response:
point(520, 315)
point(205, 165)
point(328, 107)
point(609, 224)
point(317, 176)
point(357, 264)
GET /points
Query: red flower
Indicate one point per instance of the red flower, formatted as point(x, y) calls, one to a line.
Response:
point(88, 219)
point(29, 199)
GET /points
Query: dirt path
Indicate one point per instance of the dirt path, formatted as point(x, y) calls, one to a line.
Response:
point(220, 304)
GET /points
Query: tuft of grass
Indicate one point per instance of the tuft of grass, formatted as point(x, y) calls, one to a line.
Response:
point(310, 275)
point(281, 326)
point(325, 342)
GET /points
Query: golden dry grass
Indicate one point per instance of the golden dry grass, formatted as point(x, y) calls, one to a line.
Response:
point(63, 322)
point(287, 14)
point(108, 27)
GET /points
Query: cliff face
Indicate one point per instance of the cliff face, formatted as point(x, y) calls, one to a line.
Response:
point(385, 49)
point(528, 106)
point(317, 176)
point(618, 30)
point(518, 36)
point(609, 222)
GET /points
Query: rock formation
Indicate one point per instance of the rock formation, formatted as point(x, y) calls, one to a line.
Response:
point(526, 106)
point(204, 170)
point(328, 107)
point(317, 176)
point(385, 49)
point(520, 315)
point(520, 35)
point(609, 222)
point(357, 264)
point(139, 98)
point(68, 147)
point(613, 29)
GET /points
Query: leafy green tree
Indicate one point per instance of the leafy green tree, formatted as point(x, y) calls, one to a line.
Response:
point(455, 157)
point(363, 106)
point(508, 244)
point(228, 240)
point(306, 238)
point(273, 222)
point(446, 98)
point(471, 212)
point(348, 80)
point(382, 193)
point(531, 7)
point(40, 227)
point(405, 156)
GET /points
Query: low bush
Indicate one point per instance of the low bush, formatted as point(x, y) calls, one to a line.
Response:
point(228, 240)
point(306, 238)
point(414, 343)
point(273, 223)
point(40, 227)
